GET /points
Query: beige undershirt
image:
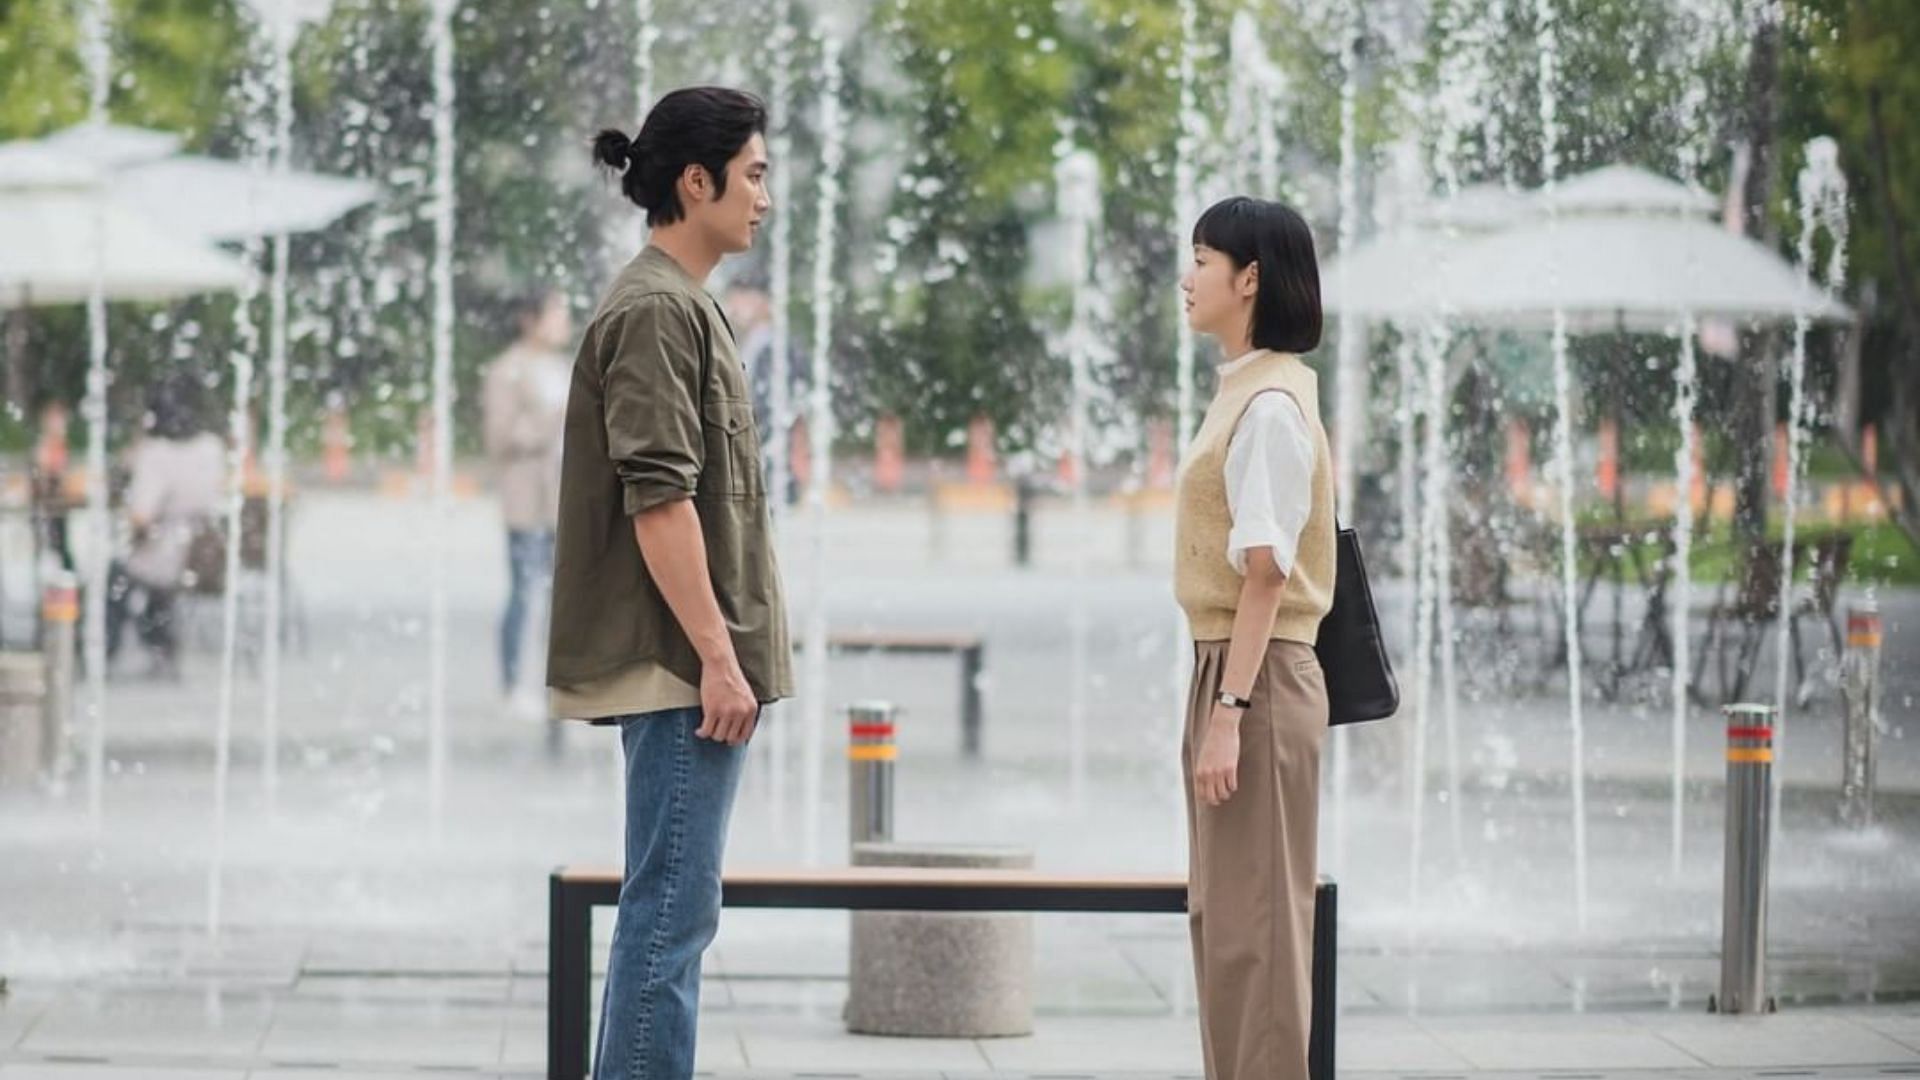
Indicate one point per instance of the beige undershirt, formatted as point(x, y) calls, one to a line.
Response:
point(643, 688)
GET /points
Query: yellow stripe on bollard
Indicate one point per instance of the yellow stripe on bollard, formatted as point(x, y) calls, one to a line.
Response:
point(887, 752)
point(1749, 754)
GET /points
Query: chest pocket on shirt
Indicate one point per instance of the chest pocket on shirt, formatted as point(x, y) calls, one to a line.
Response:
point(732, 469)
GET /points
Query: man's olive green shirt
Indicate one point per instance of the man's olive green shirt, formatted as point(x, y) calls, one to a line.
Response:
point(659, 411)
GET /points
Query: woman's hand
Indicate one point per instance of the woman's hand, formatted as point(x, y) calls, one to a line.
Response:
point(1216, 775)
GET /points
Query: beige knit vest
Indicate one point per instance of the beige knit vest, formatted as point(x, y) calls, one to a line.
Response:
point(1205, 583)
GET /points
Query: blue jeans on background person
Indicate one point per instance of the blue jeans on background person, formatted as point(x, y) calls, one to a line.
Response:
point(679, 797)
point(529, 567)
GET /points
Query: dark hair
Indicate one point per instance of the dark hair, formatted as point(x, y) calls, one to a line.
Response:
point(174, 406)
point(529, 304)
point(701, 125)
point(1286, 309)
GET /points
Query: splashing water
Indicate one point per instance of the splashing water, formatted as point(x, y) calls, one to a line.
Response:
point(1823, 204)
point(832, 153)
point(780, 298)
point(1349, 369)
point(1253, 107)
point(262, 133)
point(645, 33)
point(96, 50)
point(442, 208)
point(280, 76)
point(1686, 381)
point(1549, 53)
point(1186, 209)
point(1077, 176)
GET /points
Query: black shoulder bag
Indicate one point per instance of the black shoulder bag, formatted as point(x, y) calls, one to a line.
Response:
point(1353, 655)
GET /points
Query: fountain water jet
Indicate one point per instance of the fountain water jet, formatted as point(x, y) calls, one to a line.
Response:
point(820, 428)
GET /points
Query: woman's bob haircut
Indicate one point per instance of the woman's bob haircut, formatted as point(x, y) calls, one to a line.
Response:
point(1286, 309)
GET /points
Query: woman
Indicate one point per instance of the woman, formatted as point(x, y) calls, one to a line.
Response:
point(172, 504)
point(1253, 570)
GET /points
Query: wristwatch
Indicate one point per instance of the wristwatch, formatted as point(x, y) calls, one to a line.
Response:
point(1228, 699)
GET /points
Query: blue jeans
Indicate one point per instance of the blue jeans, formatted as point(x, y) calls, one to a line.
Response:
point(679, 796)
point(530, 567)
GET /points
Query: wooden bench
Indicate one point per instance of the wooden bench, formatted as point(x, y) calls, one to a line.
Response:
point(574, 892)
point(971, 650)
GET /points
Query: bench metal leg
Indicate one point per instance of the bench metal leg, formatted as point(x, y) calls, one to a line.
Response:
point(569, 978)
point(1326, 909)
point(971, 663)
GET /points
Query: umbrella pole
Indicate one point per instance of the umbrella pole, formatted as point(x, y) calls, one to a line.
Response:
point(1619, 480)
point(20, 387)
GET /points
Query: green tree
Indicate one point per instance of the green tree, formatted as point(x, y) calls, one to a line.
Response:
point(1854, 79)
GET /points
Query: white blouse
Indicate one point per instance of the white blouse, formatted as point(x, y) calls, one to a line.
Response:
point(1269, 474)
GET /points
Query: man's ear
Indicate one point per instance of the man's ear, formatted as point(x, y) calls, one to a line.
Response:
point(698, 183)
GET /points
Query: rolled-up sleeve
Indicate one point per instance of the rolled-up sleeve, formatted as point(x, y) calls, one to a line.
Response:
point(651, 360)
point(1269, 474)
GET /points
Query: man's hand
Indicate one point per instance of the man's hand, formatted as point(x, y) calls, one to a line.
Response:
point(671, 543)
point(728, 710)
point(1216, 775)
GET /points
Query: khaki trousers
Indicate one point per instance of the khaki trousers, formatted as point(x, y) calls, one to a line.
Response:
point(1251, 867)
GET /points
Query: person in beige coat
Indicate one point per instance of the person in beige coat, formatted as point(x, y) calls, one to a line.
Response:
point(1253, 571)
point(524, 411)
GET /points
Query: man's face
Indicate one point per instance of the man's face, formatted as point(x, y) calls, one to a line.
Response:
point(734, 218)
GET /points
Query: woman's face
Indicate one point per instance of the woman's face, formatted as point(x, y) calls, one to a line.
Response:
point(1219, 299)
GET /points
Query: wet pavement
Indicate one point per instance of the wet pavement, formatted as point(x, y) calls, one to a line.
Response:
point(357, 939)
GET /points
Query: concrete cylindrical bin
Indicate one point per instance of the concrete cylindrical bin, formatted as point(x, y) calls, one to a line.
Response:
point(23, 692)
point(941, 974)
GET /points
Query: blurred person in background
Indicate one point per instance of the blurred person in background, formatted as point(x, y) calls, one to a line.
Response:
point(524, 410)
point(750, 309)
point(176, 475)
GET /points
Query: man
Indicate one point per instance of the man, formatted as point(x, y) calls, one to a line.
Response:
point(668, 618)
point(524, 405)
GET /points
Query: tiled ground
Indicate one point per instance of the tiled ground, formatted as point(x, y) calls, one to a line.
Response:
point(168, 1035)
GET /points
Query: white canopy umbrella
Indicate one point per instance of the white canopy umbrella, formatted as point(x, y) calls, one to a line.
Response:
point(1608, 272)
point(52, 209)
point(225, 200)
point(1478, 208)
point(1626, 189)
point(1403, 272)
point(1628, 249)
point(1395, 276)
point(113, 145)
point(205, 197)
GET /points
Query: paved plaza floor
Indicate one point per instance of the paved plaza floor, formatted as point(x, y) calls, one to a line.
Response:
point(361, 1029)
point(368, 930)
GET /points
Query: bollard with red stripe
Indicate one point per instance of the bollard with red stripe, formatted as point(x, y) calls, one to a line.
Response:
point(59, 624)
point(1860, 735)
point(870, 755)
point(1749, 829)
